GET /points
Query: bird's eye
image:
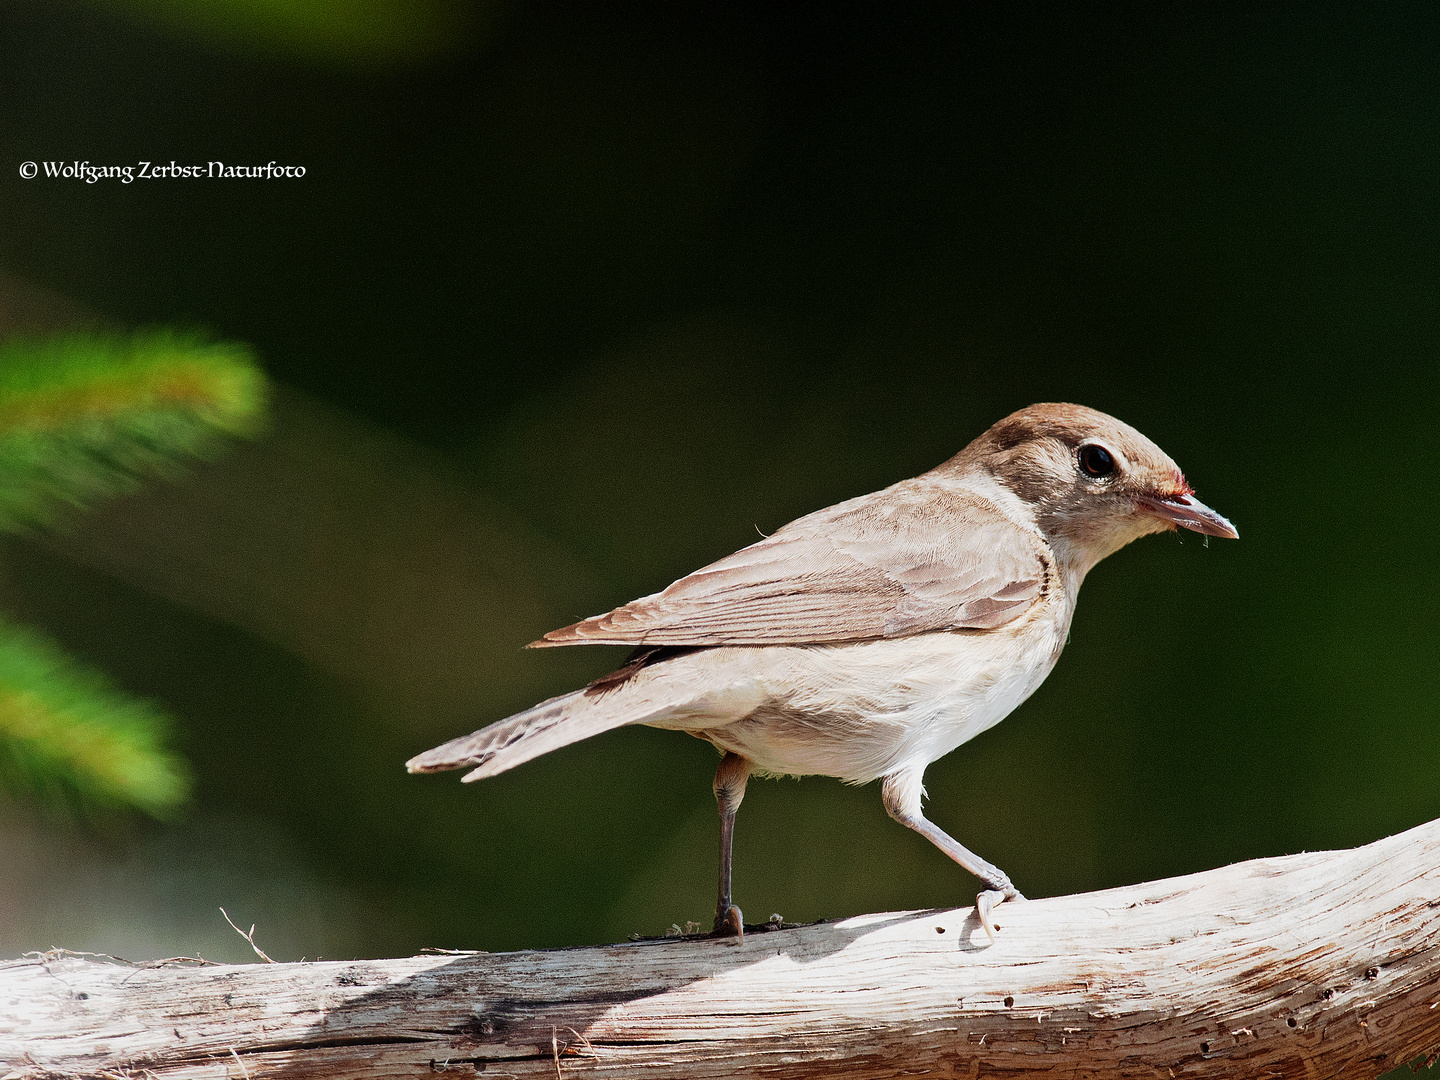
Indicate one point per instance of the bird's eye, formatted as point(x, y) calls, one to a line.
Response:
point(1096, 461)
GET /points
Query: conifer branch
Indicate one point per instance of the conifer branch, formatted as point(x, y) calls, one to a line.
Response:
point(86, 416)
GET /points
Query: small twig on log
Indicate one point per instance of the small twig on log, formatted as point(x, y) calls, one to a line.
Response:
point(243, 1071)
point(1307, 966)
point(250, 937)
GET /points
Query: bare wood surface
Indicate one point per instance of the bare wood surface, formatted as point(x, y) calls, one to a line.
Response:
point(1316, 965)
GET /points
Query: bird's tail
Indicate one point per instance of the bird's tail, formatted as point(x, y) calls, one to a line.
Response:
point(548, 726)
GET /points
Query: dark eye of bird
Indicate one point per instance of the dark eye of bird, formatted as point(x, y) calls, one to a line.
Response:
point(1096, 461)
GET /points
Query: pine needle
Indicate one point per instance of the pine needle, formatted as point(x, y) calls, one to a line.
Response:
point(71, 737)
point(86, 416)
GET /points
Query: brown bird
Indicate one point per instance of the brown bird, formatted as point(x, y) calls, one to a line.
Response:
point(866, 640)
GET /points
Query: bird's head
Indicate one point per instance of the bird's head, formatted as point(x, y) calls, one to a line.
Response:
point(1094, 483)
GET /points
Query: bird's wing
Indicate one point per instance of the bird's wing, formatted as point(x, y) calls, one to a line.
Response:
point(911, 559)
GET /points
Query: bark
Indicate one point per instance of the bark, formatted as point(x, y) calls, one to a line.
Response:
point(1315, 965)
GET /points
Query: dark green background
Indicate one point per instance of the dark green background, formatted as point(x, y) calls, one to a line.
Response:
point(653, 276)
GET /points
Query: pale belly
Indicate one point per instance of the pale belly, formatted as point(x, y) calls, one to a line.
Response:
point(863, 710)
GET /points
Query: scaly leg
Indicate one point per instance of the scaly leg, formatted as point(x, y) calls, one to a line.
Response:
point(901, 792)
point(730, 780)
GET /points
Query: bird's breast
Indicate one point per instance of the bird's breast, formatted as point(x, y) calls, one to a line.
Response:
point(989, 675)
point(860, 710)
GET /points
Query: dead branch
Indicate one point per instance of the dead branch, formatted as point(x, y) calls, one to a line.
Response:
point(1316, 965)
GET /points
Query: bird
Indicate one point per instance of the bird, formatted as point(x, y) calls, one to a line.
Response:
point(869, 639)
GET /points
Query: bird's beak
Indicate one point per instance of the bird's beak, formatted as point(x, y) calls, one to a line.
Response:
point(1189, 513)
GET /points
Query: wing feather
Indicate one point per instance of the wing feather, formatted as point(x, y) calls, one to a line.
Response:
point(914, 558)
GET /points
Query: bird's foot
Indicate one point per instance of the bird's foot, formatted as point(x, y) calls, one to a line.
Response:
point(985, 904)
point(730, 923)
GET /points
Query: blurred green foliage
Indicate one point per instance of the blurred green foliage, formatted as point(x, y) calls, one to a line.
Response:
point(84, 416)
point(366, 33)
point(74, 740)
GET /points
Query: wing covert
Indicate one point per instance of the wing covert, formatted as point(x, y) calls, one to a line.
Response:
point(911, 559)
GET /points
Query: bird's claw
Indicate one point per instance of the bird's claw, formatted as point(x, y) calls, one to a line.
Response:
point(985, 904)
point(730, 923)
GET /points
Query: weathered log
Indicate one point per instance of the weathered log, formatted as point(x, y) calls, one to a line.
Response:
point(1314, 965)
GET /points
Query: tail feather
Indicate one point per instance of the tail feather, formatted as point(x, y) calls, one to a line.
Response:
point(545, 727)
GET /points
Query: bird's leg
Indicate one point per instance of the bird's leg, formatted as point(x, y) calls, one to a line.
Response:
point(901, 792)
point(730, 780)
